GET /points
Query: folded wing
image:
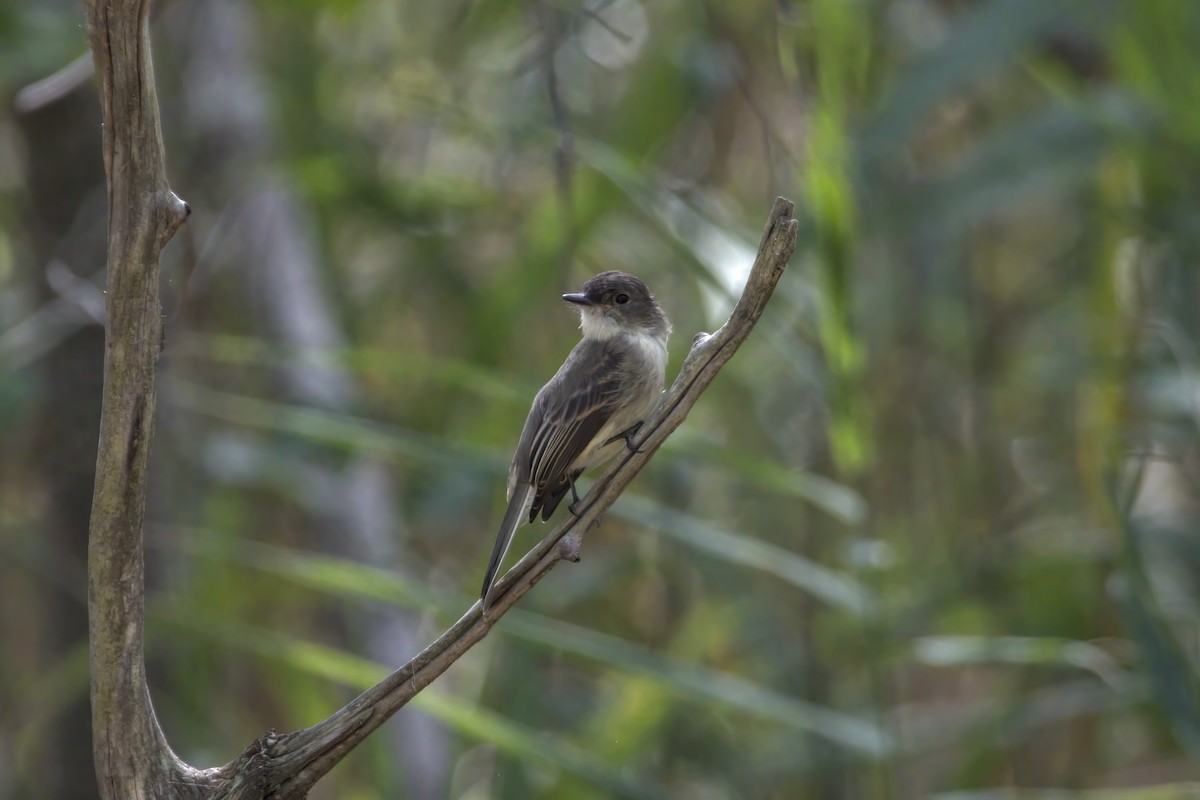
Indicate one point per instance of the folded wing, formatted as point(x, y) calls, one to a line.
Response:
point(565, 419)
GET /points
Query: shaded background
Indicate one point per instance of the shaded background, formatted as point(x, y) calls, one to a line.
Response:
point(930, 534)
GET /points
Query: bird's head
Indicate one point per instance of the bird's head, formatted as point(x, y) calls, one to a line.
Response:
point(615, 303)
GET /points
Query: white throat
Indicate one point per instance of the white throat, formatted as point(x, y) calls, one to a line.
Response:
point(597, 325)
point(601, 327)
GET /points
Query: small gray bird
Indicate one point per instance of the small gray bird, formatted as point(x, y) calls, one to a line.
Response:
point(592, 406)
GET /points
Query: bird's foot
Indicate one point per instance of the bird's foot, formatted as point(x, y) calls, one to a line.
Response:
point(628, 437)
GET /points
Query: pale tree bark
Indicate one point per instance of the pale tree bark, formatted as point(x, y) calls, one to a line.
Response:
point(133, 758)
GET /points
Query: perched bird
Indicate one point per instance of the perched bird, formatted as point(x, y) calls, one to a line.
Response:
point(592, 406)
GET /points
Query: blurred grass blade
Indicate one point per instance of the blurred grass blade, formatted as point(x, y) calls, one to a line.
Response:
point(702, 684)
point(835, 588)
point(340, 431)
point(957, 651)
point(839, 501)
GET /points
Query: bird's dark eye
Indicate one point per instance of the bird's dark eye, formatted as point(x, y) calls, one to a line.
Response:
point(621, 299)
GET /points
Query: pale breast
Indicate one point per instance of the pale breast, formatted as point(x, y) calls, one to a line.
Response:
point(644, 375)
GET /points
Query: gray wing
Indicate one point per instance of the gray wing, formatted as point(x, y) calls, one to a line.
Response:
point(566, 416)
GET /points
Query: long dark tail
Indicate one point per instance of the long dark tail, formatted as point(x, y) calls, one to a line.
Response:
point(518, 509)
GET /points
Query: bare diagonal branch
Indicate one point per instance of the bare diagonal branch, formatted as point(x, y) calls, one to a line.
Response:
point(287, 766)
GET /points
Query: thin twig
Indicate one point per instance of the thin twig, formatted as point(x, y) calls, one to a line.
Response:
point(54, 87)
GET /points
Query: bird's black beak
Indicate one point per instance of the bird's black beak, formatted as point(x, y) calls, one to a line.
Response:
point(578, 298)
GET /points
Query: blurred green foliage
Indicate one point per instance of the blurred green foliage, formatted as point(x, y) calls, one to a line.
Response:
point(932, 533)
